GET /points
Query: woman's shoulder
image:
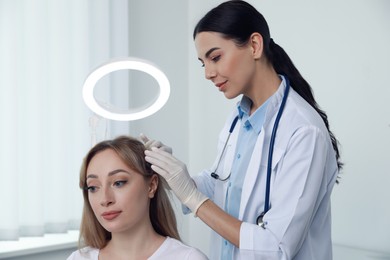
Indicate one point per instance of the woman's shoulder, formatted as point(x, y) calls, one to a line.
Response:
point(86, 253)
point(302, 112)
point(175, 249)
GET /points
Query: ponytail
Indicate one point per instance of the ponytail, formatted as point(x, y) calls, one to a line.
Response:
point(284, 65)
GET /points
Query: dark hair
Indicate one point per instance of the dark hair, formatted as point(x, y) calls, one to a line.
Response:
point(161, 213)
point(237, 20)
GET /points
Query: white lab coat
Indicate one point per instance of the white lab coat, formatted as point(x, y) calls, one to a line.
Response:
point(304, 170)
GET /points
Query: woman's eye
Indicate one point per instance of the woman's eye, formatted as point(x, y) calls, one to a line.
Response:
point(91, 189)
point(216, 58)
point(119, 183)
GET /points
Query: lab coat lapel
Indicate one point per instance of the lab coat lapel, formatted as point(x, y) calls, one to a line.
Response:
point(252, 174)
point(230, 152)
point(228, 161)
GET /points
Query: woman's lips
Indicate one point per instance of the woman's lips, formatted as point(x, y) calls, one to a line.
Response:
point(110, 215)
point(221, 86)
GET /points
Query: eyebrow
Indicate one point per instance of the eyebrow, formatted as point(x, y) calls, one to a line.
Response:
point(209, 52)
point(109, 174)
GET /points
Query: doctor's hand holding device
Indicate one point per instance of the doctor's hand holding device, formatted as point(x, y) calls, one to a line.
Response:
point(267, 196)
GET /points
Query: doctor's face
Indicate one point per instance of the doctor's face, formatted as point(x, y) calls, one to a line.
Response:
point(229, 67)
point(118, 195)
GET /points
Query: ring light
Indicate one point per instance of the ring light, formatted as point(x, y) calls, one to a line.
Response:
point(121, 64)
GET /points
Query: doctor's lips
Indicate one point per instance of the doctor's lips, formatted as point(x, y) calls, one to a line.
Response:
point(110, 215)
point(221, 85)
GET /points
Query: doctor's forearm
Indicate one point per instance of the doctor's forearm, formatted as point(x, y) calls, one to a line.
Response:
point(224, 224)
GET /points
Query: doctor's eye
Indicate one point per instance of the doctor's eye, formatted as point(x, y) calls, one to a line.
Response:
point(216, 58)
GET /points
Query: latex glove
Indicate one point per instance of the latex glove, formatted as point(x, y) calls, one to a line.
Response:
point(149, 143)
point(176, 174)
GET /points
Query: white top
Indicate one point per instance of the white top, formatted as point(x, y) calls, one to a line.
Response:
point(304, 170)
point(170, 249)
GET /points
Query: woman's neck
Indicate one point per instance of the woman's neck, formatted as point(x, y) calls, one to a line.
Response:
point(264, 85)
point(140, 244)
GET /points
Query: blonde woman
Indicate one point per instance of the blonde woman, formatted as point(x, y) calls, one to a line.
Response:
point(127, 213)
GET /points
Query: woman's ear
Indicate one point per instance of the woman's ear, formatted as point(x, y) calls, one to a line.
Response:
point(257, 45)
point(153, 185)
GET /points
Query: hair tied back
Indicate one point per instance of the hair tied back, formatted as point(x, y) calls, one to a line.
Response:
point(271, 42)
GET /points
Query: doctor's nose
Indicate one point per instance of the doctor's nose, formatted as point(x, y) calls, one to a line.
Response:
point(210, 73)
point(107, 198)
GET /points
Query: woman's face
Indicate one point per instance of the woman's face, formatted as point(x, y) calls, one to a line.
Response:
point(229, 67)
point(119, 196)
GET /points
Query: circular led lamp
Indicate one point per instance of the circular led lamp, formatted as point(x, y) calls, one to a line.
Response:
point(122, 64)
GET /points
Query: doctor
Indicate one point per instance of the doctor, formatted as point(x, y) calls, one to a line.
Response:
point(234, 47)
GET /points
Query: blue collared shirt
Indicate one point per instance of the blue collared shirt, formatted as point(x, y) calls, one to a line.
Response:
point(250, 129)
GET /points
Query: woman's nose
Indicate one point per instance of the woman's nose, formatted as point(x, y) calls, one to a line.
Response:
point(107, 198)
point(209, 72)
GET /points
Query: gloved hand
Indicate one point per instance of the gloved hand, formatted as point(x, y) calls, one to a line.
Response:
point(154, 143)
point(176, 174)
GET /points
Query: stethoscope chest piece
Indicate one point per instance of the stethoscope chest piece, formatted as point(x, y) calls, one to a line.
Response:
point(259, 220)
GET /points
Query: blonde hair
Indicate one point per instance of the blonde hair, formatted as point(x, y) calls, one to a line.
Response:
point(161, 213)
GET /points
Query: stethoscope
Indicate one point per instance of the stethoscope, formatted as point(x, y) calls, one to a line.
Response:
point(259, 219)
